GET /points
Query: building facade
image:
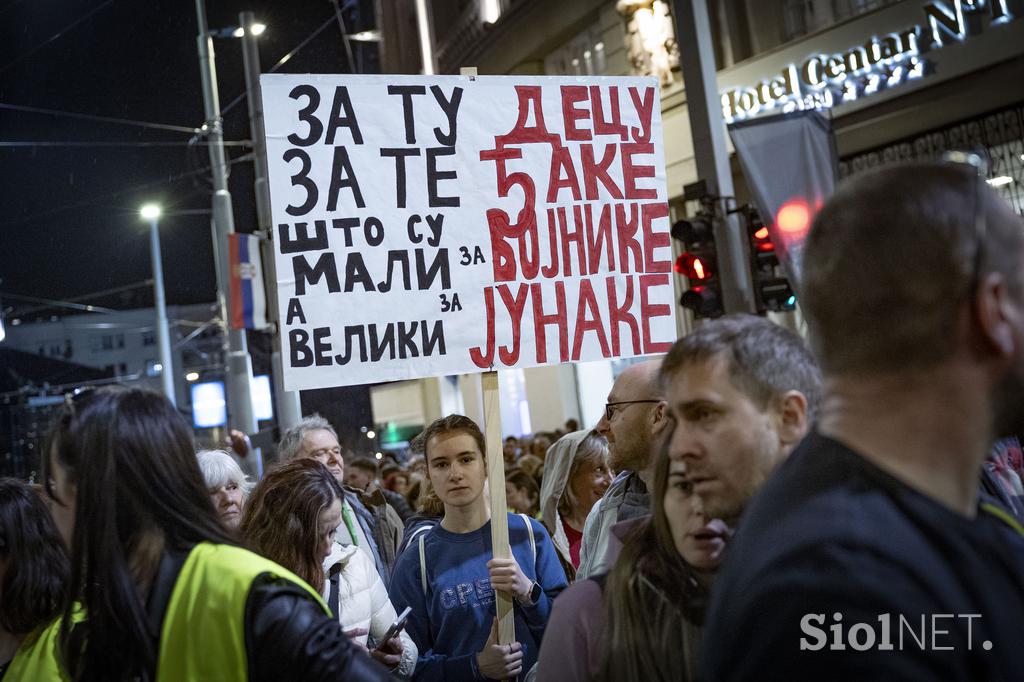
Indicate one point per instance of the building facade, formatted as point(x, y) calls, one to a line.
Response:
point(900, 80)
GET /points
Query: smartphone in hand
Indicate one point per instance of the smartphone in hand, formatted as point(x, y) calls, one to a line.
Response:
point(395, 628)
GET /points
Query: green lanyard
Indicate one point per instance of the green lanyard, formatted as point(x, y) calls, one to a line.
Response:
point(1001, 514)
point(346, 513)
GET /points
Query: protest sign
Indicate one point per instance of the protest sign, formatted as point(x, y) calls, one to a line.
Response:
point(431, 225)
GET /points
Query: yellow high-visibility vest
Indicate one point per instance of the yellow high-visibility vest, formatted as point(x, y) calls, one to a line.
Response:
point(203, 634)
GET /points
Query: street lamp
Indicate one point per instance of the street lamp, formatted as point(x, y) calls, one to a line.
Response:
point(239, 363)
point(151, 212)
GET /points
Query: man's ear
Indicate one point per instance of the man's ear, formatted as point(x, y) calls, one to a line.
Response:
point(994, 314)
point(659, 417)
point(791, 421)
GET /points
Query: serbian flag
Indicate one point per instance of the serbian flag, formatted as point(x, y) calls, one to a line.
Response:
point(248, 305)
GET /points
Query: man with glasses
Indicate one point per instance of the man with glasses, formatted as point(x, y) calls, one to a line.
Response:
point(368, 521)
point(633, 416)
point(870, 554)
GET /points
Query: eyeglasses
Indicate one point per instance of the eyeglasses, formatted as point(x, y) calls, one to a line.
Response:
point(980, 167)
point(609, 412)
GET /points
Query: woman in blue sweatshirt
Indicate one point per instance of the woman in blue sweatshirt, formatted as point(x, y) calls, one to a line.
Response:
point(448, 576)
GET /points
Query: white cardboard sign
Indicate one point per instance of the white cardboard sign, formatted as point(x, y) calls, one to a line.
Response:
point(432, 225)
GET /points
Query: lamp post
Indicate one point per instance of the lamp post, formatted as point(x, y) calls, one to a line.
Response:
point(289, 407)
point(239, 363)
point(151, 212)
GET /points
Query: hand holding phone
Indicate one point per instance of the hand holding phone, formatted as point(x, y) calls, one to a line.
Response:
point(395, 628)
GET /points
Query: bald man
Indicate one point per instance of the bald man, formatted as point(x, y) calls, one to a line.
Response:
point(635, 414)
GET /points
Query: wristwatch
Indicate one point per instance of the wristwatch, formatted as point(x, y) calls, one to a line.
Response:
point(534, 596)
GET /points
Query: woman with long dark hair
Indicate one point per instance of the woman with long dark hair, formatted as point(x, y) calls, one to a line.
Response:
point(291, 518)
point(158, 588)
point(33, 571)
point(643, 619)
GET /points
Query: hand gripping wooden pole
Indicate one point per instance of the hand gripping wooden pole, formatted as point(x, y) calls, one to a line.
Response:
point(496, 484)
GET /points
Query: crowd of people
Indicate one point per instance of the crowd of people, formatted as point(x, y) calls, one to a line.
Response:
point(748, 507)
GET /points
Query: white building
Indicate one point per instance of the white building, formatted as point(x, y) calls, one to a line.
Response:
point(125, 342)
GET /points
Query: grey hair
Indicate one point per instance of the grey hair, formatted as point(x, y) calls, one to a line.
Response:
point(291, 440)
point(593, 448)
point(219, 468)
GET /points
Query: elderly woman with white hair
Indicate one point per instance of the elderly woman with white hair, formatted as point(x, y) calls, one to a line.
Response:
point(227, 484)
point(576, 475)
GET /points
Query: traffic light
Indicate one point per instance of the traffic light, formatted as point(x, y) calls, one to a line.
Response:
point(771, 289)
point(698, 263)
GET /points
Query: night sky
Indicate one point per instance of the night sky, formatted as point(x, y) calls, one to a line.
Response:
point(69, 222)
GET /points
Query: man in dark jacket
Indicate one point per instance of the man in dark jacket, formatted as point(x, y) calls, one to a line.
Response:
point(870, 555)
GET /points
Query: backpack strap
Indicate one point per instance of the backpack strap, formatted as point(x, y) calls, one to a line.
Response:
point(533, 542)
point(419, 531)
point(423, 564)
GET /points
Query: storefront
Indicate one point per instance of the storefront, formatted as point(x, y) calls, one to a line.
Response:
point(906, 82)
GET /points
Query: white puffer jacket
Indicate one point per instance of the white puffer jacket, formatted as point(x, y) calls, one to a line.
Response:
point(363, 600)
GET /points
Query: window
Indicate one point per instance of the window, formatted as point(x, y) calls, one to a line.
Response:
point(807, 16)
point(847, 9)
point(148, 338)
point(799, 16)
point(584, 55)
point(107, 342)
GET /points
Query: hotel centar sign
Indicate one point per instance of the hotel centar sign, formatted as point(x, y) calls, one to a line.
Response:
point(822, 81)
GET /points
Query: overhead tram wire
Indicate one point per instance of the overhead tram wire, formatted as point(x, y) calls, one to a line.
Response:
point(194, 131)
point(146, 283)
point(100, 119)
point(55, 36)
point(65, 143)
point(111, 195)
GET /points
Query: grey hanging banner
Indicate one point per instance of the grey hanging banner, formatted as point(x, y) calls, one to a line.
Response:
point(791, 165)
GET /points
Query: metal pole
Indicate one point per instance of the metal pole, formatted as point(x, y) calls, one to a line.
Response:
point(697, 58)
point(163, 334)
point(426, 26)
point(289, 407)
point(239, 364)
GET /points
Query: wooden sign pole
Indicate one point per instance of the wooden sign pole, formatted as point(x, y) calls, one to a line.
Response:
point(496, 482)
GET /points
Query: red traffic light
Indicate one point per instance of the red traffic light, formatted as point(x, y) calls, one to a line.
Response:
point(794, 218)
point(762, 241)
point(693, 268)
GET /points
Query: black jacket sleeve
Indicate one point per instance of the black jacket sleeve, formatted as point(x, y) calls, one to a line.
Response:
point(289, 637)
